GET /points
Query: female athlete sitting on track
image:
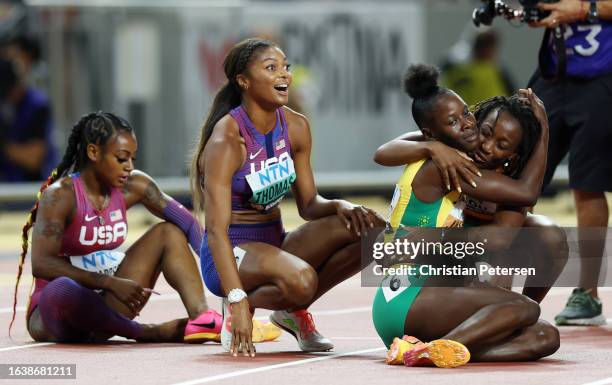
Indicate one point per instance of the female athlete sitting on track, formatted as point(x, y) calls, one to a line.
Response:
point(252, 150)
point(504, 147)
point(85, 288)
point(494, 323)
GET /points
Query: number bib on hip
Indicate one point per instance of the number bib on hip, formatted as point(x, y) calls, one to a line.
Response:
point(103, 262)
point(273, 180)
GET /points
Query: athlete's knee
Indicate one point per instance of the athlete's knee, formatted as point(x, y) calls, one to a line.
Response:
point(337, 225)
point(62, 293)
point(530, 311)
point(523, 312)
point(169, 231)
point(554, 239)
point(555, 251)
point(547, 340)
point(301, 285)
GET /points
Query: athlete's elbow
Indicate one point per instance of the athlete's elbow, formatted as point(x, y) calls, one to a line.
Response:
point(305, 214)
point(531, 198)
point(40, 269)
point(379, 156)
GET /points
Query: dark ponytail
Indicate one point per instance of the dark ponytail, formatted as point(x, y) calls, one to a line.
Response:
point(227, 98)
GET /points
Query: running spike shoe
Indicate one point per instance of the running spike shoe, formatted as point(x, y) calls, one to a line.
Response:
point(206, 327)
point(301, 325)
point(441, 353)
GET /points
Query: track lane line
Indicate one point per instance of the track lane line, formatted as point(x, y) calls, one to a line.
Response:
point(600, 382)
point(266, 368)
point(33, 345)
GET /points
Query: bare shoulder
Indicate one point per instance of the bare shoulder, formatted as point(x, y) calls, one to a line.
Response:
point(226, 130)
point(59, 195)
point(137, 182)
point(299, 130)
point(225, 142)
point(295, 120)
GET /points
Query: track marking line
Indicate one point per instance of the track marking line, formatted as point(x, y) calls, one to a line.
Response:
point(600, 382)
point(204, 380)
point(34, 345)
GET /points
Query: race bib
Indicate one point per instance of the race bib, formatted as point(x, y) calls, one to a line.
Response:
point(394, 285)
point(271, 182)
point(103, 262)
point(482, 210)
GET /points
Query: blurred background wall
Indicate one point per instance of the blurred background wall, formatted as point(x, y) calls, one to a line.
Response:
point(159, 62)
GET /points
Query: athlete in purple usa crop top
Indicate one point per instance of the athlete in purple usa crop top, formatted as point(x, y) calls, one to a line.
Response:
point(268, 171)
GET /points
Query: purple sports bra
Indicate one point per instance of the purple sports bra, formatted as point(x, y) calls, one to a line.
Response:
point(268, 171)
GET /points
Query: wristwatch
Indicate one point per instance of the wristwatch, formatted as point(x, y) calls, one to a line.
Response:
point(236, 295)
point(593, 15)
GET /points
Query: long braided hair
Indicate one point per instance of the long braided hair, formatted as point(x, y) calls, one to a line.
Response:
point(94, 128)
point(228, 97)
point(527, 120)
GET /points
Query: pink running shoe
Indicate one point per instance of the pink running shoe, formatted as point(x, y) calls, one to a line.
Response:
point(207, 327)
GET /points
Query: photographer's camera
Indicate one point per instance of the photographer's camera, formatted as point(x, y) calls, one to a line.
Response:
point(489, 9)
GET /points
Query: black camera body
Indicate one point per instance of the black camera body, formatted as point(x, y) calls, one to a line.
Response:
point(531, 12)
point(489, 9)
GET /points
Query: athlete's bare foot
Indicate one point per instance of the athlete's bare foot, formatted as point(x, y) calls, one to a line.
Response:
point(171, 331)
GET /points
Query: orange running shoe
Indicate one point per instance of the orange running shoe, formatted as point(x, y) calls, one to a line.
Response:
point(395, 355)
point(264, 332)
point(442, 353)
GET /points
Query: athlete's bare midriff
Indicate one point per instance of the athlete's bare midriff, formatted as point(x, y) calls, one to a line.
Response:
point(250, 217)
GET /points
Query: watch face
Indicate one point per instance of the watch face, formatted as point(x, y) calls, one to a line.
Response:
point(236, 296)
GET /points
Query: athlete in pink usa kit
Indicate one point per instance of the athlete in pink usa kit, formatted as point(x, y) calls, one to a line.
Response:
point(86, 287)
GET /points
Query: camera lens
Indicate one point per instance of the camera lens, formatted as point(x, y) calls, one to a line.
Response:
point(484, 14)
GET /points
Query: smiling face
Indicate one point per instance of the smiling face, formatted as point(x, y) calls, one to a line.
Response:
point(267, 78)
point(114, 161)
point(500, 137)
point(452, 123)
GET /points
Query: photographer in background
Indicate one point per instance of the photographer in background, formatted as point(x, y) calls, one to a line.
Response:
point(27, 152)
point(574, 80)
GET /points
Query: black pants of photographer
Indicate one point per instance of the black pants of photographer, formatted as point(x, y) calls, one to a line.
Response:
point(579, 112)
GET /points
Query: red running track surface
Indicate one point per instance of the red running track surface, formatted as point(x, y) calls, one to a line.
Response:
point(343, 315)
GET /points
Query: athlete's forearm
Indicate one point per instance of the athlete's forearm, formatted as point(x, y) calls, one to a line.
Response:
point(223, 257)
point(319, 207)
point(604, 8)
point(401, 152)
point(175, 212)
point(49, 268)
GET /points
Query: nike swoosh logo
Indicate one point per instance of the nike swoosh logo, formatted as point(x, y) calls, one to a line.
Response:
point(251, 156)
point(88, 219)
point(210, 325)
